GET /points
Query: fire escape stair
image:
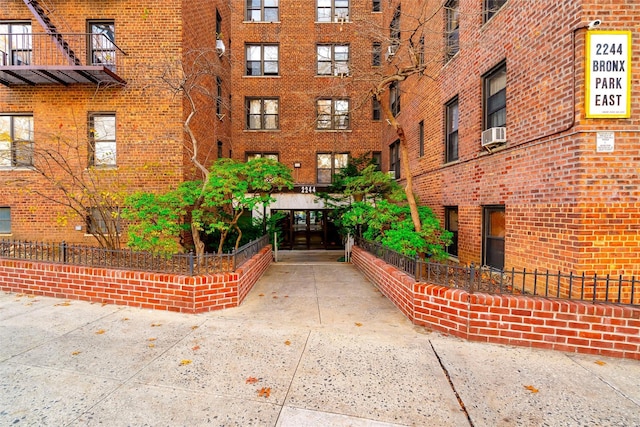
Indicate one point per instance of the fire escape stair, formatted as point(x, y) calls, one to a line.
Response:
point(41, 16)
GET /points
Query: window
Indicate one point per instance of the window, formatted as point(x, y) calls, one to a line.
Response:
point(332, 114)
point(262, 60)
point(220, 153)
point(102, 137)
point(330, 165)
point(104, 220)
point(451, 137)
point(376, 158)
point(453, 28)
point(253, 155)
point(332, 10)
point(376, 50)
point(495, 97)
point(15, 43)
point(451, 224)
point(493, 232)
point(333, 60)
point(394, 98)
point(218, 95)
point(376, 111)
point(16, 141)
point(5, 220)
point(103, 48)
point(218, 25)
point(421, 139)
point(394, 158)
point(262, 113)
point(262, 10)
point(394, 27)
point(375, 7)
point(491, 7)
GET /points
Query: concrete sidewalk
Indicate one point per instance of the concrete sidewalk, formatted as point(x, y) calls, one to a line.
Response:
point(314, 344)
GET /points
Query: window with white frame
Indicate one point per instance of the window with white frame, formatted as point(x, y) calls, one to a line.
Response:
point(16, 141)
point(332, 60)
point(261, 155)
point(104, 220)
point(16, 43)
point(394, 159)
point(102, 139)
point(5, 220)
point(332, 11)
point(452, 118)
point(376, 6)
point(495, 97)
point(332, 114)
point(262, 10)
point(452, 8)
point(329, 165)
point(262, 113)
point(262, 59)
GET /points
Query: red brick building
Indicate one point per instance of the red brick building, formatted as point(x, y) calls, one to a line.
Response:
point(90, 83)
point(501, 143)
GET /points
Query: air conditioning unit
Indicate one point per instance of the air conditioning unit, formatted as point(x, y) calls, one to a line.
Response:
point(391, 51)
point(494, 136)
point(220, 47)
point(392, 174)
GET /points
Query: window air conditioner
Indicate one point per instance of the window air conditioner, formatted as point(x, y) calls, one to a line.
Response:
point(392, 174)
point(220, 47)
point(391, 51)
point(494, 136)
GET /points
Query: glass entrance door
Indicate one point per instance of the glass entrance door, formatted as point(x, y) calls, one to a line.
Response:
point(308, 229)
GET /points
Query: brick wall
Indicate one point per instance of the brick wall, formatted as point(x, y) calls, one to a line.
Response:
point(159, 291)
point(570, 326)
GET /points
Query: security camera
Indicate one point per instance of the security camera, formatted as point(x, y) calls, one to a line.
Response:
point(594, 24)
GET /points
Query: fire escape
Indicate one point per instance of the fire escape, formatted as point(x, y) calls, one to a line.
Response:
point(52, 57)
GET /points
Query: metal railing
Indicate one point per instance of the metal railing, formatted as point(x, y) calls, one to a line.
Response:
point(61, 49)
point(582, 287)
point(125, 259)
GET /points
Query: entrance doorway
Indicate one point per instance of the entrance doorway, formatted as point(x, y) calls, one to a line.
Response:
point(493, 236)
point(309, 229)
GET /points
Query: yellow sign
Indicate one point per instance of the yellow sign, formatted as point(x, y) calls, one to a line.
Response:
point(608, 74)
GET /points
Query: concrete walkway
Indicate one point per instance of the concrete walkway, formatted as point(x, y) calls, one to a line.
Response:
point(314, 344)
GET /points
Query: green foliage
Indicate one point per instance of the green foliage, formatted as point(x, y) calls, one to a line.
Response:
point(390, 224)
point(214, 207)
point(156, 222)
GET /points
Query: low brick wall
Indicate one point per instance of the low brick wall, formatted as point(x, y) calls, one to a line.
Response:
point(570, 326)
point(160, 291)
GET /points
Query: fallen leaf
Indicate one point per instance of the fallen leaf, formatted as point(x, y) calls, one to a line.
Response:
point(152, 345)
point(185, 362)
point(358, 324)
point(125, 318)
point(600, 362)
point(264, 391)
point(275, 297)
point(100, 332)
point(152, 339)
point(103, 304)
point(261, 295)
point(194, 327)
point(31, 296)
point(63, 304)
point(286, 296)
point(252, 380)
point(531, 388)
point(195, 348)
point(287, 342)
point(153, 325)
point(75, 353)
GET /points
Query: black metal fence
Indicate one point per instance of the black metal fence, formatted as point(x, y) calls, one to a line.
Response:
point(188, 264)
point(591, 288)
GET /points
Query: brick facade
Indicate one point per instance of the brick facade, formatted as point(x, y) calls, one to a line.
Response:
point(562, 325)
point(567, 207)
